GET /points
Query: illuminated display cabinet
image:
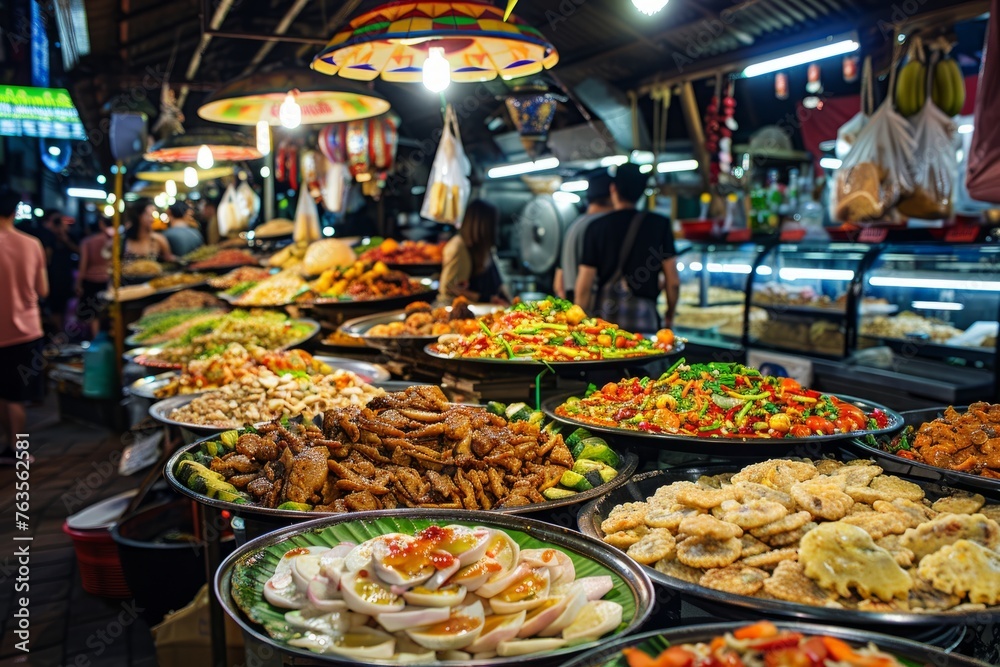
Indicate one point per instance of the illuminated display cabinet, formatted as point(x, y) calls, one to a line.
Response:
point(915, 324)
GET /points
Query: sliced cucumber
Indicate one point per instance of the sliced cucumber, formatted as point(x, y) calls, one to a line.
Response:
point(599, 452)
point(495, 408)
point(583, 466)
point(299, 507)
point(594, 477)
point(576, 436)
point(607, 473)
point(516, 412)
point(555, 493)
point(572, 480)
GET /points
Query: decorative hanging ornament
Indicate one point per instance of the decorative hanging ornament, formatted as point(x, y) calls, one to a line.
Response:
point(850, 68)
point(813, 83)
point(781, 85)
point(532, 110)
point(367, 147)
point(393, 42)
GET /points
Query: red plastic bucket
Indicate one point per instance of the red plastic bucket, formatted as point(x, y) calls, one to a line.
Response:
point(100, 567)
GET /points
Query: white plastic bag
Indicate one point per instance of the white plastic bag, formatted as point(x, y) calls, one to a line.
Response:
point(228, 213)
point(849, 131)
point(935, 167)
point(336, 180)
point(878, 170)
point(306, 219)
point(249, 203)
point(448, 187)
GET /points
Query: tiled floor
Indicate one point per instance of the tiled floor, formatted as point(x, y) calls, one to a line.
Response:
point(68, 626)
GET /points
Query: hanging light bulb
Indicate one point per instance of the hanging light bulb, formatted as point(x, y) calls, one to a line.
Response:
point(649, 7)
point(171, 188)
point(190, 177)
point(264, 137)
point(205, 159)
point(437, 70)
point(290, 113)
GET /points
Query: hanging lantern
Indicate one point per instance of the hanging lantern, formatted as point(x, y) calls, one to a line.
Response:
point(532, 111)
point(850, 69)
point(367, 147)
point(225, 146)
point(781, 86)
point(813, 83)
point(332, 142)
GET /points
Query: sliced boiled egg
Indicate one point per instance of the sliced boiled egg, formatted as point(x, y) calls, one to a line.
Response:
point(409, 651)
point(503, 549)
point(596, 619)
point(325, 595)
point(467, 544)
point(305, 568)
point(360, 557)
point(280, 590)
point(364, 643)
point(446, 566)
point(596, 587)
point(524, 593)
point(366, 595)
point(463, 627)
point(401, 561)
point(576, 598)
point(542, 616)
point(475, 575)
point(446, 596)
point(560, 566)
point(504, 579)
point(331, 562)
point(413, 617)
point(497, 628)
point(514, 647)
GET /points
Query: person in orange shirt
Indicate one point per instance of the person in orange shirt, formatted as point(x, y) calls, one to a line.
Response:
point(23, 282)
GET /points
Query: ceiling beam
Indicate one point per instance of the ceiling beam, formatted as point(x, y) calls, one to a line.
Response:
point(161, 33)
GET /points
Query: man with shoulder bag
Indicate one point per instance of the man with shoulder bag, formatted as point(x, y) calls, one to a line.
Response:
point(624, 254)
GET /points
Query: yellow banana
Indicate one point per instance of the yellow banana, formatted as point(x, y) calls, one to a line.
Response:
point(958, 87)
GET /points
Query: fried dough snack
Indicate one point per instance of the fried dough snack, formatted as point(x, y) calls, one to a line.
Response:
point(824, 533)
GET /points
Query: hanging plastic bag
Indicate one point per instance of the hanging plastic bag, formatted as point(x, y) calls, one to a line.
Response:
point(448, 187)
point(849, 131)
point(228, 213)
point(877, 171)
point(306, 220)
point(336, 180)
point(934, 164)
point(249, 202)
point(983, 176)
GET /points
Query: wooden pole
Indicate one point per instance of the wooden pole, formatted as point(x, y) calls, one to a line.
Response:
point(118, 327)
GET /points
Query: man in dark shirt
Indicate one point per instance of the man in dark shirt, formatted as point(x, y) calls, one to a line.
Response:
point(652, 253)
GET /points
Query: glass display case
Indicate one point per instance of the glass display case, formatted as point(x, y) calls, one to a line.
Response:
point(947, 299)
point(713, 292)
point(802, 292)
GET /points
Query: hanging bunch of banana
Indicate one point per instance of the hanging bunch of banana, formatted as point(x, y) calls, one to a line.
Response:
point(948, 85)
point(911, 87)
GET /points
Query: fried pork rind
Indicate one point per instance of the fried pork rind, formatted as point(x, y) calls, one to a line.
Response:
point(769, 560)
point(839, 556)
point(778, 474)
point(925, 596)
point(747, 491)
point(823, 497)
point(624, 517)
point(858, 475)
point(964, 568)
point(657, 544)
point(789, 582)
point(752, 546)
point(678, 570)
point(949, 528)
point(705, 552)
point(885, 487)
point(960, 503)
point(792, 537)
point(914, 513)
point(879, 524)
point(670, 517)
point(624, 539)
point(706, 525)
point(737, 579)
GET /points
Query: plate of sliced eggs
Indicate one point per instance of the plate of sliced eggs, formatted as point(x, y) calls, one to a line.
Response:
point(432, 587)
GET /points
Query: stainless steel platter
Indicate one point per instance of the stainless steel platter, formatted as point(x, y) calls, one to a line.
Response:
point(360, 326)
point(643, 485)
point(558, 366)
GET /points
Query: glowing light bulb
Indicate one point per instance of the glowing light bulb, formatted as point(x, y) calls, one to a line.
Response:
point(205, 159)
point(265, 171)
point(264, 137)
point(190, 177)
point(171, 188)
point(650, 7)
point(437, 70)
point(290, 113)
point(109, 210)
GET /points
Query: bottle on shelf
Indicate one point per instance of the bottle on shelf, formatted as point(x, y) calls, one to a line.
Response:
point(99, 368)
point(775, 198)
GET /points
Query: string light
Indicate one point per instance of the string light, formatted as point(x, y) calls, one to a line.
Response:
point(205, 159)
point(437, 70)
point(171, 188)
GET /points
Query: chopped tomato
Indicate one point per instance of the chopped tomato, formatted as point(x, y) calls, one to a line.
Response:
point(620, 342)
point(787, 657)
point(638, 658)
point(783, 640)
point(819, 425)
point(800, 431)
point(789, 383)
point(675, 656)
point(842, 652)
point(610, 389)
point(758, 630)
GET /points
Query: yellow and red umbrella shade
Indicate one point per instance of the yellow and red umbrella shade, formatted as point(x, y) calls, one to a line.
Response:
point(392, 42)
point(258, 97)
point(226, 146)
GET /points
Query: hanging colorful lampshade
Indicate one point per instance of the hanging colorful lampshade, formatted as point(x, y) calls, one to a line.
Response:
point(258, 97)
point(367, 147)
point(393, 40)
point(226, 146)
point(333, 142)
point(532, 111)
point(161, 172)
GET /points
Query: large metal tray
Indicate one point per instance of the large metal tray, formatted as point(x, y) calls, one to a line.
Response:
point(644, 485)
point(244, 558)
point(918, 468)
point(557, 366)
point(360, 326)
point(921, 654)
point(139, 354)
point(626, 469)
point(734, 446)
point(147, 387)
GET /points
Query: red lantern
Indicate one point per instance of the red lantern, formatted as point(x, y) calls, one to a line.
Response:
point(781, 86)
point(332, 142)
point(368, 147)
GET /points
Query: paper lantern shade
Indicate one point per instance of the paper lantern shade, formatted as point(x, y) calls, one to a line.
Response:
point(368, 147)
point(225, 146)
point(258, 97)
point(532, 114)
point(333, 142)
point(392, 42)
